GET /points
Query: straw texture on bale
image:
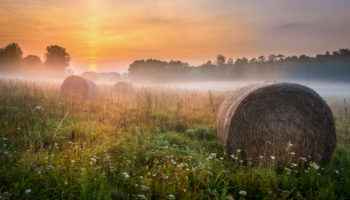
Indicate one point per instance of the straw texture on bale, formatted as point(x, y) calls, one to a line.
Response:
point(79, 87)
point(276, 122)
point(124, 88)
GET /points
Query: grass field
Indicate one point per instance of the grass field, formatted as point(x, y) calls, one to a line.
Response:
point(159, 145)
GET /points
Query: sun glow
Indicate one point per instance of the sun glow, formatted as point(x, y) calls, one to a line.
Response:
point(93, 67)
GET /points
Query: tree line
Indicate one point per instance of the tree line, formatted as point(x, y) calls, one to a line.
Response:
point(56, 59)
point(329, 66)
point(332, 66)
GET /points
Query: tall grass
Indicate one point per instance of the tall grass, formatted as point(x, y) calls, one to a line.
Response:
point(160, 144)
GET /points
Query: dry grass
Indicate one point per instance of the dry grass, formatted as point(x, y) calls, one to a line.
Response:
point(161, 145)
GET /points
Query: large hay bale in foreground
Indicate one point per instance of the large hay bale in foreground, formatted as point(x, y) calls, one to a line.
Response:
point(276, 121)
point(79, 87)
point(124, 89)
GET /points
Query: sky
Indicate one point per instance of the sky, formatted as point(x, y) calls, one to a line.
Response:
point(103, 35)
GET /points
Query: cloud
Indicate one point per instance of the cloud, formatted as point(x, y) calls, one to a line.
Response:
point(291, 25)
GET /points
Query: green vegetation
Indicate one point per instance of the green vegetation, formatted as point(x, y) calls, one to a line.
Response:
point(159, 145)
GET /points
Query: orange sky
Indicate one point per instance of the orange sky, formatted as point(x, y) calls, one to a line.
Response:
point(108, 35)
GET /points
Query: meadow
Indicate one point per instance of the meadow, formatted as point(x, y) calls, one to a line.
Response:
point(160, 144)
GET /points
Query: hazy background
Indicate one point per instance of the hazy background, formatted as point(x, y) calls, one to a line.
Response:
point(109, 35)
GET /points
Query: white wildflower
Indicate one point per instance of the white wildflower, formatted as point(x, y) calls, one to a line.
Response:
point(171, 196)
point(314, 165)
point(144, 188)
point(72, 161)
point(233, 156)
point(28, 191)
point(288, 171)
point(126, 175)
point(229, 197)
point(141, 196)
point(243, 193)
point(337, 171)
point(273, 157)
point(302, 158)
point(211, 155)
point(238, 150)
point(38, 108)
point(292, 153)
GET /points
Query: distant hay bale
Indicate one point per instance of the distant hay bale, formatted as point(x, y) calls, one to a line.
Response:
point(79, 87)
point(278, 122)
point(124, 89)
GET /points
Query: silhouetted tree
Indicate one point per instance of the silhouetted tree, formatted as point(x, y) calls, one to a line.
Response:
point(272, 58)
point(344, 52)
point(261, 59)
point(253, 61)
point(220, 59)
point(230, 61)
point(304, 57)
point(32, 61)
point(280, 57)
point(11, 53)
point(154, 69)
point(241, 61)
point(11, 57)
point(57, 57)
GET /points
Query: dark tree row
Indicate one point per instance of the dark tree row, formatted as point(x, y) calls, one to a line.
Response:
point(11, 59)
point(327, 66)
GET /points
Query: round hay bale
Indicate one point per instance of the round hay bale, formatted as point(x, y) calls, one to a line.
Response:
point(124, 89)
point(276, 122)
point(79, 87)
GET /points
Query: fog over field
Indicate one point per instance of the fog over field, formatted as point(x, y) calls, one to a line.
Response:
point(325, 89)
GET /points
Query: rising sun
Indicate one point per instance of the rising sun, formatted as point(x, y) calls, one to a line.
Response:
point(93, 67)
